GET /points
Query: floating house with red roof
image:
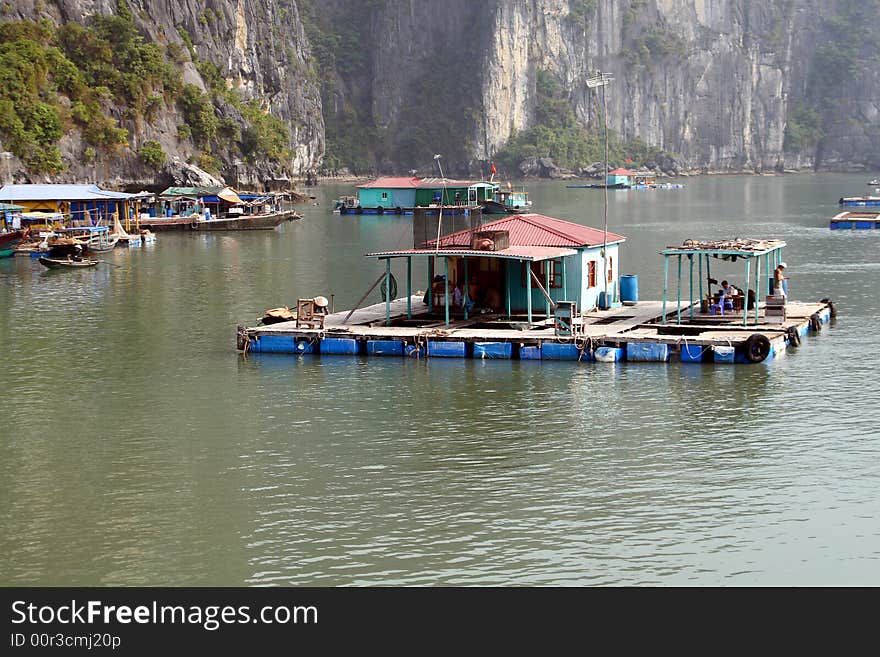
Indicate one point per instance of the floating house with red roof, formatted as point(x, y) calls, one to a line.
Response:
point(619, 177)
point(518, 265)
point(532, 287)
point(400, 194)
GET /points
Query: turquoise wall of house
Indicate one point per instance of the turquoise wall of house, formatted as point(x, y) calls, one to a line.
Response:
point(519, 291)
point(617, 180)
point(589, 296)
point(373, 197)
point(425, 195)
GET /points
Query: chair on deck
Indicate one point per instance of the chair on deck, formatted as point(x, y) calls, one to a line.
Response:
point(719, 305)
point(310, 313)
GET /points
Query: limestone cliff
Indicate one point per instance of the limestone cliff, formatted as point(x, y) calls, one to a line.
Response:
point(725, 85)
point(256, 51)
point(722, 85)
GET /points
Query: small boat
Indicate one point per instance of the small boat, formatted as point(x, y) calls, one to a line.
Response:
point(276, 315)
point(61, 247)
point(874, 183)
point(102, 246)
point(9, 241)
point(599, 186)
point(70, 262)
point(246, 221)
point(495, 207)
point(513, 199)
point(94, 239)
point(345, 205)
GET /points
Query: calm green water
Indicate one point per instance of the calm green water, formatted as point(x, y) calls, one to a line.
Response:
point(138, 447)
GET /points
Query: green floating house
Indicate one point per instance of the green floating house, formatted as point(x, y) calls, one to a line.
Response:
point(400, 194)
point(620, 177)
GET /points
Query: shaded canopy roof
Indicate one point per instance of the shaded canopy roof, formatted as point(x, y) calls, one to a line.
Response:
point(9, 207)
point(742, 247)
point(42, 216)
point(225, 193)
point(51, 192)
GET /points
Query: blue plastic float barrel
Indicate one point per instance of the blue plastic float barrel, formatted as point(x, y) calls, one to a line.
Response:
point(629, 288)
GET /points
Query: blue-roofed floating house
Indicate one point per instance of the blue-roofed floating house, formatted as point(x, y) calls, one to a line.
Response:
point(81, 204)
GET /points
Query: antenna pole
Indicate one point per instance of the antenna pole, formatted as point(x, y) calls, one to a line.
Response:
point(601, 80)
point(605, 206)
point(440, 217)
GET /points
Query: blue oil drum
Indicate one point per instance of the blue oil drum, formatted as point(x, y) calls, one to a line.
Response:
point(629, 288)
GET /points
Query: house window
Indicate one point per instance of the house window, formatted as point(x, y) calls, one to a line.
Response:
point(539, 271)
point(610, 270)
point(556, 274)
point(384, 196)
point(591, 274)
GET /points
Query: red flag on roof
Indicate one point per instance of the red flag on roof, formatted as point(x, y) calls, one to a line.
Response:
point(629, 160)
point(492, 167)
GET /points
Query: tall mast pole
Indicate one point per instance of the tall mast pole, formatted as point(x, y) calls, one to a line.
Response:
point(601, 80)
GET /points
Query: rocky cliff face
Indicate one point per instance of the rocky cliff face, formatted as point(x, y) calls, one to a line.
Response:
point(713, 81)
point(723, 85)
point(258, 48)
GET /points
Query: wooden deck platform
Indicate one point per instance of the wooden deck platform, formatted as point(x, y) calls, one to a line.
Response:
point(635, 332)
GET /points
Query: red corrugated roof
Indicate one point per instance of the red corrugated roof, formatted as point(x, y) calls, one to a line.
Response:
point(535, 230)
point(391, 182)
point(535, 253)
point(397, 182)
point(620, 171)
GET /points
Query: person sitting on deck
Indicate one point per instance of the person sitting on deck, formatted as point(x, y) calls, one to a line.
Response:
point(727, 294)
point(729, 290)
point(465, 302)
point(458, 295)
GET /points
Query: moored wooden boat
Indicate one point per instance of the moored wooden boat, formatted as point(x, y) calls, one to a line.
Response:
point(67, 263)
point(9, 242)
point(494, 207)
point(94, 239)
point(246, 222)
point(108, 243)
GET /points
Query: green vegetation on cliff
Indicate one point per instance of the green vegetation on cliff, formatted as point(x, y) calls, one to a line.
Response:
point(99, 78)
point(844, 59)
point(556, 134)
point(349, 137)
